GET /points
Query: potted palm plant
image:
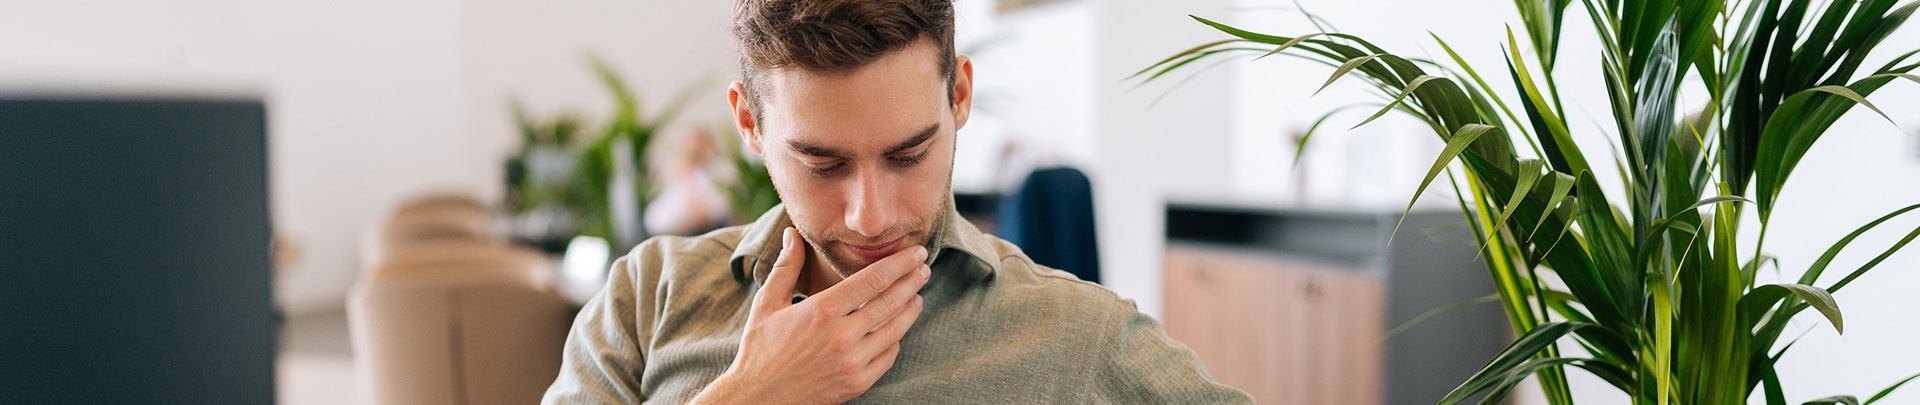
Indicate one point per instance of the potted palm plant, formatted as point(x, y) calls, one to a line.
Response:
point(1651, 284)
point(561, 182)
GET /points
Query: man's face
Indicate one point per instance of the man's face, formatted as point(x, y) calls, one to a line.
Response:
point(862, 159)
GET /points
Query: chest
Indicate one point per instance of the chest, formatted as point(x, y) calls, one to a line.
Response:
point(952, 354)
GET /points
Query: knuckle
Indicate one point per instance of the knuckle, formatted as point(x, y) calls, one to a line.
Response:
point(877, 283)
point(817, 317)
point(889, 301)
point(819, 322)
point(849, 367)
point(905, 321)
point(839, 343)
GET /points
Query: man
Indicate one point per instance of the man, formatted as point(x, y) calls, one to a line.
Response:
point(865, 285)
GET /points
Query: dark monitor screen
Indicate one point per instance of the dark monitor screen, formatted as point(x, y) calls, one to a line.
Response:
point(134, 251)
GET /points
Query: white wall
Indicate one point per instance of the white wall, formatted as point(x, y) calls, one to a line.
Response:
point(1033, 86)
point(537, 52)
point(1863, 168)
point(1054, 83)
point(1145, 151)
point(372, 102)
point(362, 98)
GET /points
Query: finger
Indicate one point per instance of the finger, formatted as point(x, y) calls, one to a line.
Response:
point(895, 327)
point(880, 364)
point(883, 307)
point(777, 292)
point(870, 282)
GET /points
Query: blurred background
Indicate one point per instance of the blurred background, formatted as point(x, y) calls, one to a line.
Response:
point(444, 181)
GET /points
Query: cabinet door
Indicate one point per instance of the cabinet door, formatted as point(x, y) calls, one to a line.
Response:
point(1284, 331)
point(1348, 312)
point(1235, 319)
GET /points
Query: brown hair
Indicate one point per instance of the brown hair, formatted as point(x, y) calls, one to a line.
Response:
point(835, 35)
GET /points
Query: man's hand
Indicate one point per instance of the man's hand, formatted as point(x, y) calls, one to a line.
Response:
point(831, 347)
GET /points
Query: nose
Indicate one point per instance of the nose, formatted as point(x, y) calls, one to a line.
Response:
point(870, 211)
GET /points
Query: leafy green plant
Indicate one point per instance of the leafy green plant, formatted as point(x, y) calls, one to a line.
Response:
point(1652, 285)
point(750, 192)
point(545, 190)
point(584, 192)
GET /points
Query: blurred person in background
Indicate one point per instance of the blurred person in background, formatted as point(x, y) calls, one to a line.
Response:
point(690, 200)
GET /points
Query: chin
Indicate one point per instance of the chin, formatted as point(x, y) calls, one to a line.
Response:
point(846, 269)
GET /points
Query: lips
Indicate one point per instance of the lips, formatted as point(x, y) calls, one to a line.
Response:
point(875, 252)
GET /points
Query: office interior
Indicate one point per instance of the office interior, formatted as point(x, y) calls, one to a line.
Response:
point(326, 142)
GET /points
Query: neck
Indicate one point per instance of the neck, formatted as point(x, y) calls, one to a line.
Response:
point(817, 275)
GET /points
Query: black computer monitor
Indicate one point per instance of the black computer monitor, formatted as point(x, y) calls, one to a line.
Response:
point(134, 250)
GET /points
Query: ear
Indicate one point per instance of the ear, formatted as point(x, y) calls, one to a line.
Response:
point(962, 90)
point(743, 117)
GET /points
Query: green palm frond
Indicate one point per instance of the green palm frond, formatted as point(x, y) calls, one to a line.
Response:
point(1655, 286)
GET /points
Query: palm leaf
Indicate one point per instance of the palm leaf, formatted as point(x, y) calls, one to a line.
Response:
point(1656, 289)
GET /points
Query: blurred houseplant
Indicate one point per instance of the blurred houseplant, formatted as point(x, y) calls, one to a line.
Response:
point(561, 184)
point(541, 182)
point(750, 192)
point(1651, 284)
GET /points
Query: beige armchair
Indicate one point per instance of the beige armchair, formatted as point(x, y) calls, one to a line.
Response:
point(455, 320)
point(432, 218)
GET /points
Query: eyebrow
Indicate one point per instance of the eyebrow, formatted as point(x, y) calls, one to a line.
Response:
point(815, 150)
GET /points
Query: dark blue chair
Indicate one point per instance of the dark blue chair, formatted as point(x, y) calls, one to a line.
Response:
point(1050, 216)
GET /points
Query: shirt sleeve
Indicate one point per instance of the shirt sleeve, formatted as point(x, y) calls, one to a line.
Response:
point(602, 360)
point(1143, 366)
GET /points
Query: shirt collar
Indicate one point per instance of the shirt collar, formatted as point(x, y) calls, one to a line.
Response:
point(952, 237)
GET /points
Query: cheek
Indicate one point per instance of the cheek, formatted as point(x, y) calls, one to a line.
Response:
point(809, 200)
point(925, 182)
point(928, 186)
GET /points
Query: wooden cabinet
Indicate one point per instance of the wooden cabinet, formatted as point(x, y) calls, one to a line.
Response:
point(1292, 304)
point(1286, 331)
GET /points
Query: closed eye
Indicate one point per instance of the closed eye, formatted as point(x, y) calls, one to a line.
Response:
point(907, 161)
point(827, 170)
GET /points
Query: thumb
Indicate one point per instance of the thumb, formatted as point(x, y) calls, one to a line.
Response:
point(777, 293)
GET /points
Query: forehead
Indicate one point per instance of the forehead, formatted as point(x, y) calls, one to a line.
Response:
point(891, 97)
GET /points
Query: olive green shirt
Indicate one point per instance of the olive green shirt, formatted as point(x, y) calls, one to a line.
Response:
point(995, 328)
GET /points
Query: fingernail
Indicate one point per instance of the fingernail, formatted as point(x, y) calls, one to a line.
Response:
point(786, 238)
point(920, 253)
point(926, 272)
